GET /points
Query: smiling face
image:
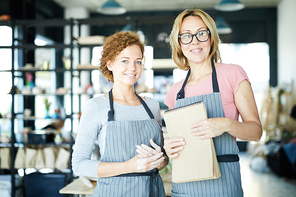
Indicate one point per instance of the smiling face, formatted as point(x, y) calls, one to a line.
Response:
point(127, 66)
point(196, 52)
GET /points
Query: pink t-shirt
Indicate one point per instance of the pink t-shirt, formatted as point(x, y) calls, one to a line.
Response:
point(229, 77)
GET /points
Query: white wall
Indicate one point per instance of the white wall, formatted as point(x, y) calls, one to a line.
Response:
point(286, 41)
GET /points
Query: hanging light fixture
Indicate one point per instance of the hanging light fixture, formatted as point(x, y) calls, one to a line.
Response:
point(111, 7)
point(133, 26)
point(229, 5)
point(222, 27)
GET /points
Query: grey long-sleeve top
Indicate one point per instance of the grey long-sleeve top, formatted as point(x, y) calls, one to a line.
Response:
point(92, 128)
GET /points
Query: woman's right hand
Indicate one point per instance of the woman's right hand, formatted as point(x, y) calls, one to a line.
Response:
point(172, 146)
point(140, 164)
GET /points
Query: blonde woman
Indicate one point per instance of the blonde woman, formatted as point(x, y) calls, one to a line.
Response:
point(226, 91)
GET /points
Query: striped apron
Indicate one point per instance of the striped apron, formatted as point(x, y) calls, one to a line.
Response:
point(229, 184)
point(121, 140)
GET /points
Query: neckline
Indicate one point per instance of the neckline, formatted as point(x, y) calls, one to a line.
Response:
point(198, 84)
point(215, 86)
point(208, 78)
point(144, 98)
point(111, 103)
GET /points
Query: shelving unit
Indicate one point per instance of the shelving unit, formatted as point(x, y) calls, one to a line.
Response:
point(20, 48)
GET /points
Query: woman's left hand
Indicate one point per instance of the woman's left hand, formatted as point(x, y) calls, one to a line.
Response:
point(146, 151)
point(211, 127)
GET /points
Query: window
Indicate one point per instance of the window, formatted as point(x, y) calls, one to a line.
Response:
point(5, 79)
point(45, 81)
point(254, 59)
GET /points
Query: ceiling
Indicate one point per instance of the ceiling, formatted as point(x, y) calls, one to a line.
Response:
point(155, 5)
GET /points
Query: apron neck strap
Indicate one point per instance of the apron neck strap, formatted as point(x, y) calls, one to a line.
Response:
point(181, 93)
point(146, 107)
point(111, 111)
point(214, 78)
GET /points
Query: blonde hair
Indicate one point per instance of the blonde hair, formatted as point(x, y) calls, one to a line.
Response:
point(113, 46)
point(177, 53)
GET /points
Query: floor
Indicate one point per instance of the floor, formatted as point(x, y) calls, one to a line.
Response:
point(264, 184)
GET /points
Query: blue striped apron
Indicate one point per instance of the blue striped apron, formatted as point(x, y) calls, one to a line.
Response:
point(229, 184)
point(121, 140)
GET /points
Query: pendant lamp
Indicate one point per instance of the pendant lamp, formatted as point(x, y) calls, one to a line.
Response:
point(133, 26)
point(229, 5)
point(222, 27)
point(111, 7)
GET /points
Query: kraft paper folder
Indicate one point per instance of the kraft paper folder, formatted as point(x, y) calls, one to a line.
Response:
point(197, 161)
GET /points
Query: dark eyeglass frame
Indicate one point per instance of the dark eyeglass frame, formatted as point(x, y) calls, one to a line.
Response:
point(208, 31)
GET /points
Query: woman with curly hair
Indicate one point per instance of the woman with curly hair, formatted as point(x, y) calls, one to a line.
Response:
point(126, 126)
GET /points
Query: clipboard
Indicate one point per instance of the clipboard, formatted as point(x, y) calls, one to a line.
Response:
point(197, 161)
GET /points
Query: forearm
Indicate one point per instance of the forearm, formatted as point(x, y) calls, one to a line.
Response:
point(108, 169)
point(135, 164)
point(249, 131)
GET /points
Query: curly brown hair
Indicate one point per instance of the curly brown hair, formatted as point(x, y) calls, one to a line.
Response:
point(113, 46)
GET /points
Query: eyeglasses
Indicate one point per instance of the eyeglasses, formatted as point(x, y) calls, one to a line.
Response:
point(201, 36)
